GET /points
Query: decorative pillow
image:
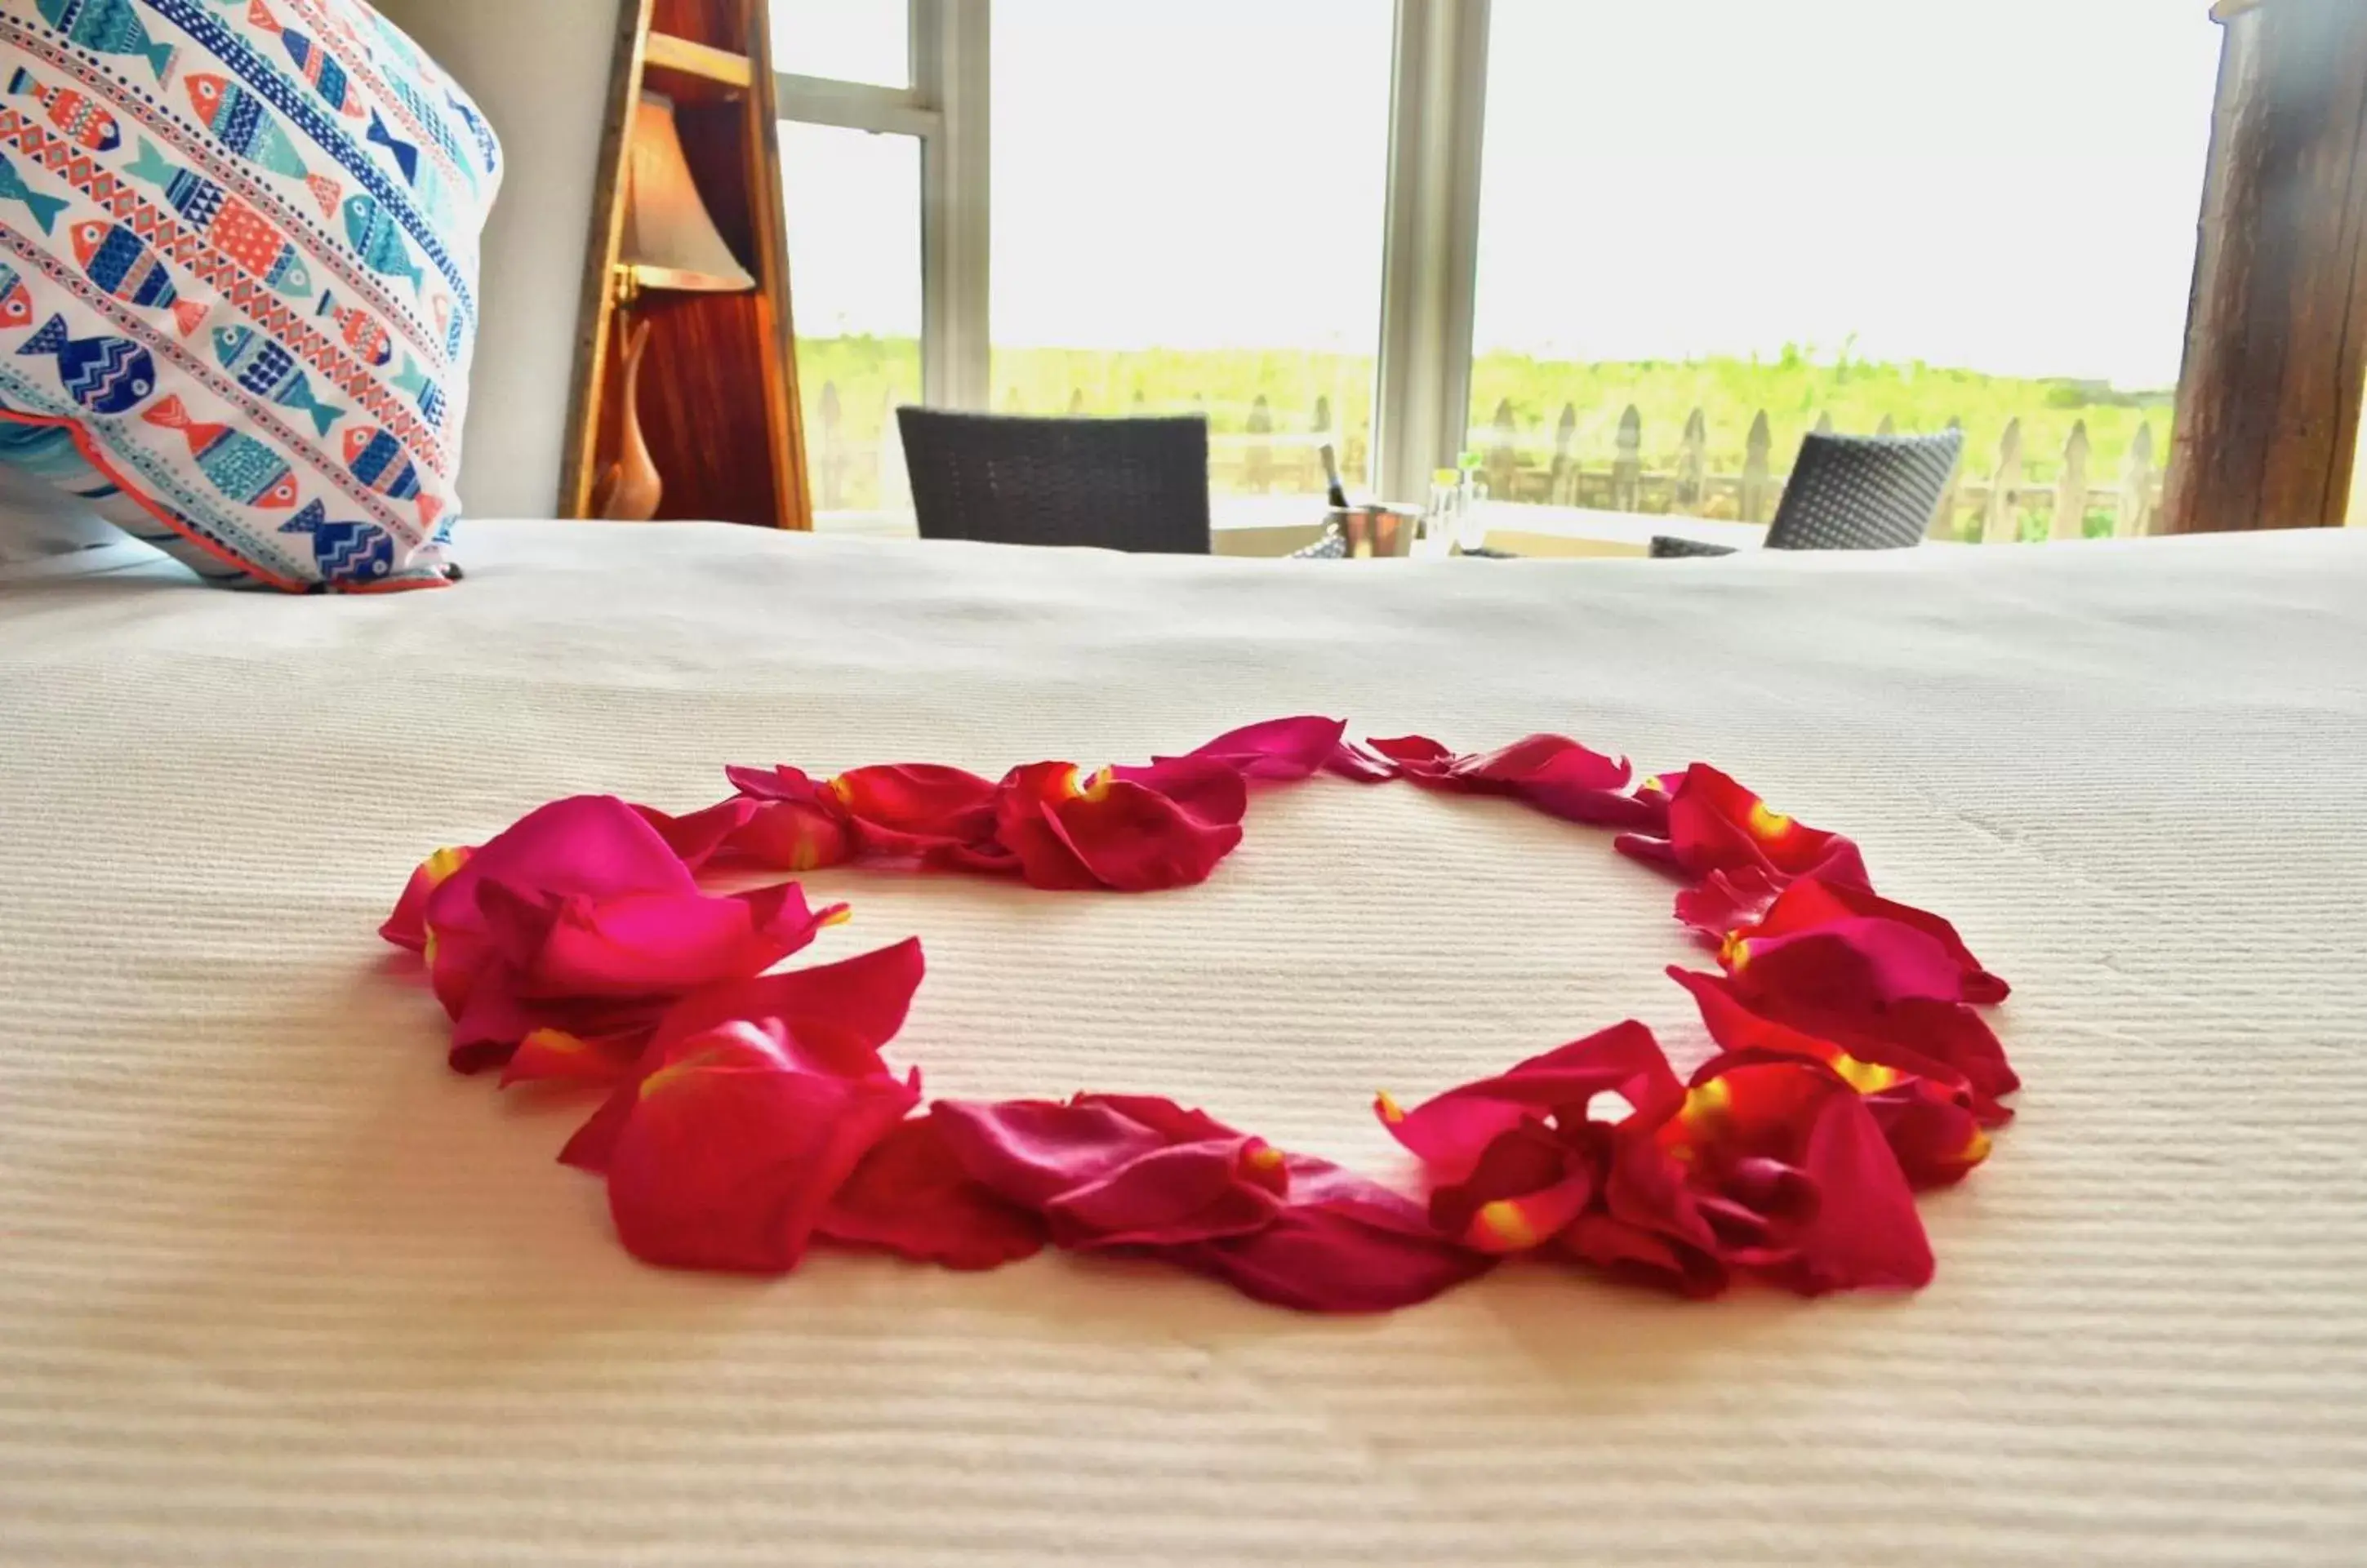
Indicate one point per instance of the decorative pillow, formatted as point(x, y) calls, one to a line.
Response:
point(238, 265)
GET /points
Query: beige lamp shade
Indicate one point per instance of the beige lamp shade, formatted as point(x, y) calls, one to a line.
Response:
point(670, 241)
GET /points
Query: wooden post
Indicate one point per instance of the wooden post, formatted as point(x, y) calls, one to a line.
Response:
point(1257, 469)
point(1752, 499)
point(1310, 462)
point(2276, 335)
point(1139, 400)
point(895, 478)
point(2001, 525)
point(1627, 461)
point(1824, 423)
point(1076, 401)
point(1504, 455)
point(1693, 465)
point(1889, 427)
point(1561, 485)
point(2136, 514)
point(1943, 521)
point(832, 442)
point(2071, 487)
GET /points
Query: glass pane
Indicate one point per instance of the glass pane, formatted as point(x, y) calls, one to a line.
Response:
point(1188, 217)
point(853, 204)
point(1700, 214)
point(846, 40)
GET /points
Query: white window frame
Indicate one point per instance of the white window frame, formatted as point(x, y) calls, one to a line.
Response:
point(1429, 244)
point(946, 110)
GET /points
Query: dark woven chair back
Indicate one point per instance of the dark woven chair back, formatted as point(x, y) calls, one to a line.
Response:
point(1120, 484)
point(1863, 492)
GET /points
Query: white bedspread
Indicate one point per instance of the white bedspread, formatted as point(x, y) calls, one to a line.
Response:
point(275, 1288)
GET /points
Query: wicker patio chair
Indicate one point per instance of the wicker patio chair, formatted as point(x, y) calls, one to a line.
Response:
point(1852, 492)
point(1119, 484)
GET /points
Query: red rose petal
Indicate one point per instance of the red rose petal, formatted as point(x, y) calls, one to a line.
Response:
point(1361, 1249)
point(1714, 824)
point(1278, 749)
point(1451, 1131)
point(910, 809)
point(1112, 1170)
point(829, 1020)
point(724, 1164)
point(1867, 1234)
point(1811, 904)
point(635, 944)
point(910, 1197)
point(1853, 964)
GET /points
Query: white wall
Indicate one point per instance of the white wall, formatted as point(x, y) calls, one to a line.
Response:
point(539, 70)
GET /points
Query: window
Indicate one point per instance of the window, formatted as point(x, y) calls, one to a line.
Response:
point(1188, 216)
point(1708, 226)
point(862, 163)
point(854, 220)
point(1628, 253)
point(869, 41)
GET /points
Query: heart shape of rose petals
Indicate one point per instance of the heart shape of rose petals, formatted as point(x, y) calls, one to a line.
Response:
point(749, 1112)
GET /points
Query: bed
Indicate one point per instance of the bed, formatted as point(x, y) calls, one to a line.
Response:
point(276, 1288)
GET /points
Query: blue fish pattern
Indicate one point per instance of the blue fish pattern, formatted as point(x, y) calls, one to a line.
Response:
point(378, 239)
point(345, 552)
point(379, 461)
point(406, 154)
point(426, 393)
point(265, 369)
point(105, 375)
point(44, 209)
point(108, 27)
point(488, 149)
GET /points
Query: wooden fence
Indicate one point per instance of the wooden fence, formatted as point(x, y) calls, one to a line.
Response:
point(1998, 507)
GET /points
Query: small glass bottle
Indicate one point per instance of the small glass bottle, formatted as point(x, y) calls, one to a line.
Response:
point(1471, 508)
point(1441, 515)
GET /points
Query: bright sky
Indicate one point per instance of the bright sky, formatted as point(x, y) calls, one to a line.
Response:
point(2011, 188)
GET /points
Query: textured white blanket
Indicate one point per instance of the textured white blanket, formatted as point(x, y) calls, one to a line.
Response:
point(277, 1289)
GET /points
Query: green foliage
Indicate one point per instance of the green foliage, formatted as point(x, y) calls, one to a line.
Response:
point(1517, 402)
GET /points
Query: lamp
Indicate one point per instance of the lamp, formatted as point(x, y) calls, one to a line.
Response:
point(669, 243)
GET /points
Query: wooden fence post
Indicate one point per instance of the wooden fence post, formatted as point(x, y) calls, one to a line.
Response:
point(2071, 487)
point(1627, 461)
point(2002, 523)
point(1944, 521)
point(1753, 498)
point(1076, 401)
point(1310, 461)
point(1824, 423)
point(1889, 427)
point(1011, 404)
point(1561, 485)
point(1139, 400)
point(895, 479)
point(2135, 518)
point(1257, 468)
point(1503, 456)
point(833, 466)
point(1693, 465)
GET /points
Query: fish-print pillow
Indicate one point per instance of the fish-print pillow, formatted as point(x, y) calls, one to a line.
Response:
point(238, 269)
